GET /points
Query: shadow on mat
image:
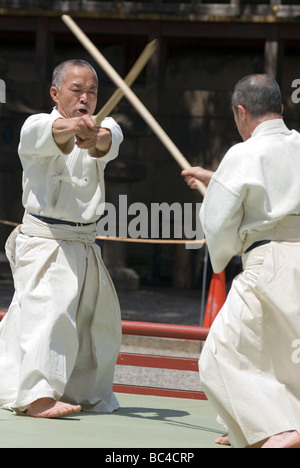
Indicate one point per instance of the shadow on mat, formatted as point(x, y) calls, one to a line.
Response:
point(166, 415)
point(159, 414)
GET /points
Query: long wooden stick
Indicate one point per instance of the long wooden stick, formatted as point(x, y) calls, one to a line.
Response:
point(129, 80)
point(132, 98)
point(153, 241)
point(130, 239)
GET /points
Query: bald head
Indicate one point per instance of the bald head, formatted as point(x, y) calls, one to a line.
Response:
point(259, 94)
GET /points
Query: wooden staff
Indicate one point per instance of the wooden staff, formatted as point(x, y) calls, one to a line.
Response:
point(129, 80)
point(132, 98)
point(129, 239)
point(153, 241)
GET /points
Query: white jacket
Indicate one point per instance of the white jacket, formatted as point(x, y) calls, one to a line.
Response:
point(256, 185)
point(62, 186)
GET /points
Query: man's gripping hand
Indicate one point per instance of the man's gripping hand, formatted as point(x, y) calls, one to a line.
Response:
point(86, 132)
point(87, 135)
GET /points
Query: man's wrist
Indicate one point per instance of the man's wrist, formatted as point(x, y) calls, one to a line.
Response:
point(104, 140)
point(63, 131)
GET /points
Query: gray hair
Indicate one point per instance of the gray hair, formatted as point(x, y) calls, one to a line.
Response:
point(60, 72)
point(259, 94)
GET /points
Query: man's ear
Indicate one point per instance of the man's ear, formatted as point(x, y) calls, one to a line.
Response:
point(54, 93)
point(242, 112)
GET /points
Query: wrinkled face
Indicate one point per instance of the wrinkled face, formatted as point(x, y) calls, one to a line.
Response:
point(78, 94)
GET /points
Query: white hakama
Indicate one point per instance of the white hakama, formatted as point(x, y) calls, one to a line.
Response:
point(248, 366)
point(66, 316)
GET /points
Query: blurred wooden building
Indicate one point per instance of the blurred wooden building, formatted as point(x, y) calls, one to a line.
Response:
point(204, 48)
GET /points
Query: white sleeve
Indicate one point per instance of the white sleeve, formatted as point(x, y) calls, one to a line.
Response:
point(221, 216)
point(36, 136)
point(117, 138)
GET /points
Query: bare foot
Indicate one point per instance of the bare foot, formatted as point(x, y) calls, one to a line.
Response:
point(49, 408)
point(290, 439)
point(223, 440)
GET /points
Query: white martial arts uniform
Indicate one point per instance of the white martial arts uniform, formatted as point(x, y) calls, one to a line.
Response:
point(249, 366)
point(61, 336)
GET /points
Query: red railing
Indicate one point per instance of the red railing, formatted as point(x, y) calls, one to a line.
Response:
point(162, 362)
point(159, 330)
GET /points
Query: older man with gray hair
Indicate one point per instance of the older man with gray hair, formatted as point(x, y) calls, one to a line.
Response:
point(252, 205)
point(61, 336)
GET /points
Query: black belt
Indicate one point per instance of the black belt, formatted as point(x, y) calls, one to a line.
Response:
point(60, 221)
point(257, 244)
